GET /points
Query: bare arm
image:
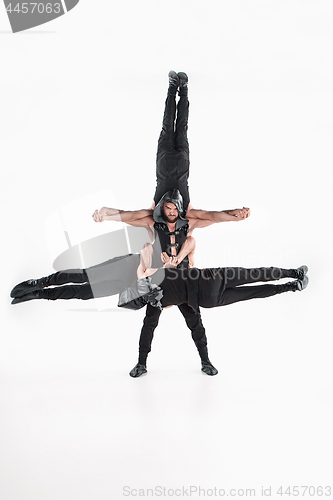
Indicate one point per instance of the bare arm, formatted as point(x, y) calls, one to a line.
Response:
point(204, 218)
point(219, 216)
point(134, 217)
point(187, 249)
point(143, 272)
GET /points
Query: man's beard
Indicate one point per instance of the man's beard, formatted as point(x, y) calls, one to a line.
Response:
point(169, 219)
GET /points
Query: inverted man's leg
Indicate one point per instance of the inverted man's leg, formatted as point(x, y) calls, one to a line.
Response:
point(167, 136)
point(181, 140)
point(165, 148)
point(166, 141)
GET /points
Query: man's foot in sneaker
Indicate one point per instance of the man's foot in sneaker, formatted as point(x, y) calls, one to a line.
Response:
point(173, 82)
point(300, 272)
point(208, 368)
point(138, 370)
point(183, 83)
point(24, 288)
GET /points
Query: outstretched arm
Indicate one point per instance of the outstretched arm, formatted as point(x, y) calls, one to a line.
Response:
point(222, 216)
point(134, 217)
point(204, 218)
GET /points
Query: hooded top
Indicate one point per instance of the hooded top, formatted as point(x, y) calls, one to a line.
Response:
point(162, 233)
point(172, 196)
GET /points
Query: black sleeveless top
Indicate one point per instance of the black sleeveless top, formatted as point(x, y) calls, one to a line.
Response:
point(162, 243)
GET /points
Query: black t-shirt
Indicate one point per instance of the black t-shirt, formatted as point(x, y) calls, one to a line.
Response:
point(173, 286)
point(195, 287)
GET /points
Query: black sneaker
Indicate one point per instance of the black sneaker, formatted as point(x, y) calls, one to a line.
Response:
point(298, 285)
point(208, 368)
point(24, 288)
point(300, 272)
point(303, 282)
point(138, 370)
point(173, 79)
point(28, 296)
point(183, 83)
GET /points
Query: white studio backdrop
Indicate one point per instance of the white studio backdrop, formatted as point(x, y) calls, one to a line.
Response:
point(81, 109)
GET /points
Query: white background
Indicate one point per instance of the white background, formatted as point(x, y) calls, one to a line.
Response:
point(81, 108)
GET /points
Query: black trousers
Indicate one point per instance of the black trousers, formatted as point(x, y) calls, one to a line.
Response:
point(223, 286)
point(193, 321)
point(237, 276)
point(172, 172)
point(105, 279)
point(173, 158)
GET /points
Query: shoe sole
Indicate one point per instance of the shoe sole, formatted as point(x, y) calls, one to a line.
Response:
point(304, 268)
point(183, 77)
point(21, 293)
point(303, 283)
point(173, 74)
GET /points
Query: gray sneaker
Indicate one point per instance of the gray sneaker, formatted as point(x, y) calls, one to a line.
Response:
point(138, 370)
point(183, 83)
point(302, 283)
point(173, 80)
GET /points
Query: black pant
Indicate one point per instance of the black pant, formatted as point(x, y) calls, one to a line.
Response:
point(173, 160)
point(172, 172)
point(105, 279)
point(222, 286)
point(193, 321)
point(237, 276)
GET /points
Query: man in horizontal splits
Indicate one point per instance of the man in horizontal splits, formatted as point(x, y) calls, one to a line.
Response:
point(210, 287)
point(171, 220)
